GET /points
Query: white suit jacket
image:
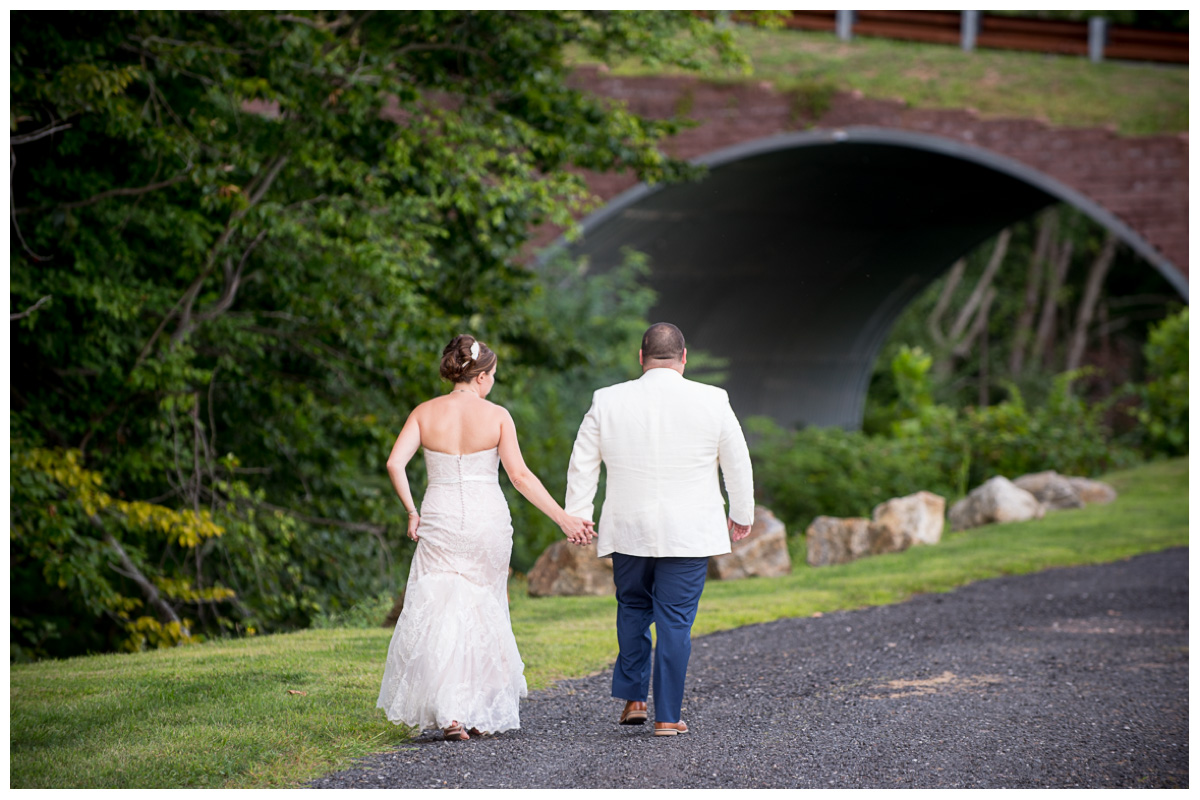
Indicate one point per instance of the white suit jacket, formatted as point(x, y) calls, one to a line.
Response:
point(661, 438)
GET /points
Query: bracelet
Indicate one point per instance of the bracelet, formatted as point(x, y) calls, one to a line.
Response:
point(411, 511)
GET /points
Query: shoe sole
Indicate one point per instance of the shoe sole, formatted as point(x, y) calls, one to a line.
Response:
point(668, 732)
point(634, 720)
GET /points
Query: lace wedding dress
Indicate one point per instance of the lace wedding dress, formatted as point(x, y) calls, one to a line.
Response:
point(453, 656)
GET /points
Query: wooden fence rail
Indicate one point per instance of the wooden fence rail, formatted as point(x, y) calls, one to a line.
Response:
point(1097, 40)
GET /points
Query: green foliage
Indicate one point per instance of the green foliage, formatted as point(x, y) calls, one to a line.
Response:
point(1066, 434)
point(1133, 298)
point(911, 370)
point(1163, 414)
point(368, 613)
point(913, 403)
point(803, 474)
point(1075, 422)
point(65, 567)
point(810, 472)
point(256, 231)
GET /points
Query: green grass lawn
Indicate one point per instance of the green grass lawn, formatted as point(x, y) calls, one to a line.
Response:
point(1135, 98)
point(223, 714)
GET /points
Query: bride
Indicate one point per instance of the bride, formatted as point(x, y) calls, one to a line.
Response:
point(453, 661)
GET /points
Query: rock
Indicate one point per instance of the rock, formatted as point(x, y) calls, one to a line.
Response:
point(1091, 491)
point(1064, 491)
point(567, 569)
point(763, 553)
point(1052, 490)
point(836, 540)
point(886, 539)
point(997, 500)
point(913, 519)
point(896, 525)
point(397, 607)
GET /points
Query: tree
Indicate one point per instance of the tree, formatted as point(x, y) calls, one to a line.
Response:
point(1058, 294)
point(1091, 295)
point(956, 343)
point(240, 241)
point(1047, 223)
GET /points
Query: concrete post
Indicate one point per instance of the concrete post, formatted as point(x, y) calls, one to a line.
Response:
point(970, 29)
point(844, 23)
point(1097, 38)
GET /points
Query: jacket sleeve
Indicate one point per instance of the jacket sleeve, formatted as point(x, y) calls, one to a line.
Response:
point(736, 471)
point(583, 474)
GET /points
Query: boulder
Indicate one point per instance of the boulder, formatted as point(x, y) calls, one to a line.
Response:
point(904, 521)
point(1052, 490)
point(997, 500)
point(885, 539)
point(1091, 491)
point(567, 569)
point(763, 553)
point(836, 540)
point(394, 615)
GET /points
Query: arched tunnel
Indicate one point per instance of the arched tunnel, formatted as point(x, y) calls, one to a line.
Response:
point(795, 255)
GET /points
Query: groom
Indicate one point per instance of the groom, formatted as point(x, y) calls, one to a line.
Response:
point(661, 438)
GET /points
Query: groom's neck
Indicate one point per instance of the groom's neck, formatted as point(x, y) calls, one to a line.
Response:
point(654, 363)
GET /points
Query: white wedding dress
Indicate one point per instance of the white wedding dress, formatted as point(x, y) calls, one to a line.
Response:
point(453, 656)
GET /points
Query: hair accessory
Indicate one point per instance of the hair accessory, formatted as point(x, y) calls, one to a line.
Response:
point(474, 351)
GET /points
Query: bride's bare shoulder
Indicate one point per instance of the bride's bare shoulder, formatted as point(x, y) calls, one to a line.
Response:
point(497, 410)
point(429, 406)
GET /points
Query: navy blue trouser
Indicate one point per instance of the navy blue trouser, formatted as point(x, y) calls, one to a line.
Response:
point(665, 591)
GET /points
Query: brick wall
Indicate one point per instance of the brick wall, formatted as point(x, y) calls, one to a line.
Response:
point(1142, 180)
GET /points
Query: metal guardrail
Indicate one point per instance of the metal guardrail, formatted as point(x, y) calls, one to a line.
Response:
point(1095, 38)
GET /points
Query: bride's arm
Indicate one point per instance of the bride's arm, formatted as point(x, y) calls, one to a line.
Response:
point(402, 452)
point(578, 530)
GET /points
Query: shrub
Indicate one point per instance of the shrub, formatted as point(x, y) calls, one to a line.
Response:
point(367, 613)
point(805, 473)
point(813, 471)
point(1163, 413)
point(1066, 434)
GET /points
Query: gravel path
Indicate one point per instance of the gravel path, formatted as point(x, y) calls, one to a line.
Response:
point(1072, 677)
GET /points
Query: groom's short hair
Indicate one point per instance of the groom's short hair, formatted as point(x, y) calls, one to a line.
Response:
point(662, 341)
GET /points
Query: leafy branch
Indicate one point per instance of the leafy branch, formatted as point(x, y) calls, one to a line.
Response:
point(27, 312)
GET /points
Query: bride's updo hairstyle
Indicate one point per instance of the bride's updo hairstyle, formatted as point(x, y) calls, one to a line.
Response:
point(457, 364)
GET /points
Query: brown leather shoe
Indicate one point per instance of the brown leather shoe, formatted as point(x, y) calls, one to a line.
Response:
point(670, 728)
point(634, 713)
point(454, 733)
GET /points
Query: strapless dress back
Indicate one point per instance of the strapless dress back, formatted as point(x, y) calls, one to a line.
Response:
point(453, 656)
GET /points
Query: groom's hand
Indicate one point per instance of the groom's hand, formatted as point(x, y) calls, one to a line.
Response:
point(579, 531)
point(738, 532)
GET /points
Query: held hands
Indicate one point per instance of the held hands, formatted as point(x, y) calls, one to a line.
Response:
point(579, 531)
point(738, 532)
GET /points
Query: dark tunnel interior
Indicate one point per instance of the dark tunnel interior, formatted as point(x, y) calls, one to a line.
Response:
point(793, 263)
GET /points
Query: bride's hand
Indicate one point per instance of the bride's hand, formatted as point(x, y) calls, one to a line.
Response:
point(414, 520)
point(578, 530)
